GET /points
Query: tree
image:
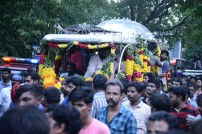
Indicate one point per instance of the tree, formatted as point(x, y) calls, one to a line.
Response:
point(170, 19)
point(25, 22)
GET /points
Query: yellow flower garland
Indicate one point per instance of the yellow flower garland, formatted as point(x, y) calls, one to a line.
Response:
point(58, 57)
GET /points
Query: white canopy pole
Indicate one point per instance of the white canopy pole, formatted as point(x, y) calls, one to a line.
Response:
point(119, 66)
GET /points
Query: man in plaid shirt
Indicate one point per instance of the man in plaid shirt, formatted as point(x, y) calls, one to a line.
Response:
point(119, 119)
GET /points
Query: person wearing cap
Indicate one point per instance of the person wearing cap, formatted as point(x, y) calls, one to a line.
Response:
point(16, 79)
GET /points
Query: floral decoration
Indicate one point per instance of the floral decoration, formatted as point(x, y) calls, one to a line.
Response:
point(129, 63)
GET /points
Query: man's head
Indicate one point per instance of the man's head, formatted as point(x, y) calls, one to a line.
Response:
point(69, 84)
point(159, 102)
point(199, 82)
point(199, 103)
point(134, 91)
point(24, 120)
point(192, 89)
point(113, 92)
point(99, 82)
point(125, 82)
point(64, 119)
point(164, 55)
point(152, 46)
point(104, 52)
point(177, 95)
point(82, 99)
point(148, 76)
point(193, 79)
point(6, 73)
point(71, 68)
point(29, 95)
point(152, 86)
point(31, 77)
point(160, 122)
point(169, 83)
point(16, 79)
point(52, 95)
point(177, 82)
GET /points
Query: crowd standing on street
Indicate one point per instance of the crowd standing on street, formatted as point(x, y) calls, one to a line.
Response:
point(103, 106)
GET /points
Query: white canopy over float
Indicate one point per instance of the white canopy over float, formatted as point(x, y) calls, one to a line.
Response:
point(64, 38)
point(120, 31)
point(127, 28)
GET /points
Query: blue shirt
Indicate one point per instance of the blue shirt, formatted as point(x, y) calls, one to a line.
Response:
point(65, 102)
point(41, 108)
point(122, 123)
point(4, 85)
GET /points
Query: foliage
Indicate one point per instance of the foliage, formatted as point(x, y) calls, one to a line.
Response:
point(170, 20)
point(25, 22)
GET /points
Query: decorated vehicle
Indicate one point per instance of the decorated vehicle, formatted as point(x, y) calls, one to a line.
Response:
point(124, 37)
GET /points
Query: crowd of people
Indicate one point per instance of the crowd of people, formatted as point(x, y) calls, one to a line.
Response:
point(101, 106)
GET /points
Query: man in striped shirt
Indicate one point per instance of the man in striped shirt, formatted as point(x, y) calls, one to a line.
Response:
point(99, 97)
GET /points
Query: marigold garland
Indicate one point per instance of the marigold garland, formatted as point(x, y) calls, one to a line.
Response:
point(129, 63)
point(155, 69)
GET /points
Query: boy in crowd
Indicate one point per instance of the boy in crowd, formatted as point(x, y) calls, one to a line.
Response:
point(177, 82)
point(31, 77)
point(159, 102)
point(99, 98)
point(24, 120)
point(180, 109)
point(63, 119)
point(161, 122)
point(30, 95)
point(68, 85)
point(165, 67)
point(153, 86)
point(140, 110)
point(82, 99)
point(192, 97)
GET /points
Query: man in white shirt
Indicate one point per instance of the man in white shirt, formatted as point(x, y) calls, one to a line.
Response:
point(6, 82)
point(140, 110)
point(5, 99)
point(97, 61)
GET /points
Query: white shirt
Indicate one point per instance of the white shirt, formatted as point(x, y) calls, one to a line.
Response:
point(163, 79)
point(5, 99)
point(141, 112)
point(96, 64)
